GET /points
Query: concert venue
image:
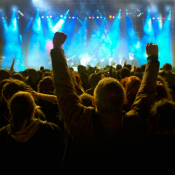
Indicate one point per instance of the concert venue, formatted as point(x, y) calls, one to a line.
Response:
point(99, 31)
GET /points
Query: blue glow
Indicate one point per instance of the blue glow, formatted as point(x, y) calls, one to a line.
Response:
point(60, 24)
point(148, 34)
point(164, 42)
point(12, 46)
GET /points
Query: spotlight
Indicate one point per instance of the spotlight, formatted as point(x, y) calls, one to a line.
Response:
point(2, 17)
point(69, 17)
point(73, 17)
point(113, 16)
point(61, 16)
point(89, 17)
point(50, 16)
point(65, 17)
point(97, 17)
point(42, 16)
point(110, 16)
point(92, 17)
point(45, 9)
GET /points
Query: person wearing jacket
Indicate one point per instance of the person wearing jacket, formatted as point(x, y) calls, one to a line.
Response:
point(103, 137)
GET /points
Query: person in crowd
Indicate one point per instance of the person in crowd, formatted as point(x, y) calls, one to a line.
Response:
point(118, 68)
point(159, 144)
point(131, 85)
point(46, 74)
point(42, 69)
point(32, 79)
point(86, 100)
point(8, 90)
point(138, 73)
point(50, 110)
point(18, 76)
point(124, 72)
point(30, 145)
point(170, 76)
point(84, 76)
point(4, 74)
point(102, 136)
point(40, 75)
point(93, 81)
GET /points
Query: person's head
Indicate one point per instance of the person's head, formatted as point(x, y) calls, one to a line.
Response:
point(138, 70)
point(46, 85)
point(71, 69)
point(132, 85)
point(40, 74)
point(161, 89)
point(42, 68)
point(124, 72)
point(94, 79)
point(59, 39)
point(18, 76)
point(163, 74)
point(12, 87)
point(32, 74)
point(78, 79)
point(47, 74)
point(81, 68)
point(162, 117)
point(167, 67)
point(4, 74)
point(128, 66)
point(22, 107)
point(86, 99)
point(109, 95)
point(118, 67)
point(143, 67)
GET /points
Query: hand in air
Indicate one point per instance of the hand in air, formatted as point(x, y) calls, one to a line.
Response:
point(152, 49)
point(59, 39)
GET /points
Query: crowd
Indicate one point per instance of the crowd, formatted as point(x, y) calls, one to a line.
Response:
point(113, 120)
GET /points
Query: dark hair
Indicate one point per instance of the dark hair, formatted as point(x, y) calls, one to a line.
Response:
point(167, 67)
point(118, 67)
point(46, 74)
point(4, 74)
point(86, 99)
point(128, 66)
point(124, 72)
point(46, 85)
point(162, 116)
point(81, 68)
point(42, 68)
point(138, 70)
point(94, 79)
point(12, 87)
point(22, 107)
point(18, 76)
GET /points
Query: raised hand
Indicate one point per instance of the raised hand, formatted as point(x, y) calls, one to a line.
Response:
point(59, 39)
point(152, 49)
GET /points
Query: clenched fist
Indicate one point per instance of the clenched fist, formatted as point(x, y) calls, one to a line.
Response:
point(152, 49)
point(59, 39)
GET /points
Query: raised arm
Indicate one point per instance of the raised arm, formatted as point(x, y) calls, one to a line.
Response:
point(146, 94)
point(69, 103)
point(12, 66)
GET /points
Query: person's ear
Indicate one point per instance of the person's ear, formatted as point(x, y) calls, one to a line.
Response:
point(93, 102)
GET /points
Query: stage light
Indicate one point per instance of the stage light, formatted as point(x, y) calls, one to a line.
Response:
point(61, 16)
point(42, 16)
point(110, 16)
point(2, 17)
point(153, 18)
point(73, 17)
point(100, 16)
point(47, 17)
point(93, 17)
point(97, 17)
point(65, 17)
point(113, 16)
point(89, 17)
point(50, 16)
point(69, 17)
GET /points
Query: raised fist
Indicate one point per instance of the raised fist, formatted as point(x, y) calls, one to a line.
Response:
point(152, 49)
point(59, 39)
